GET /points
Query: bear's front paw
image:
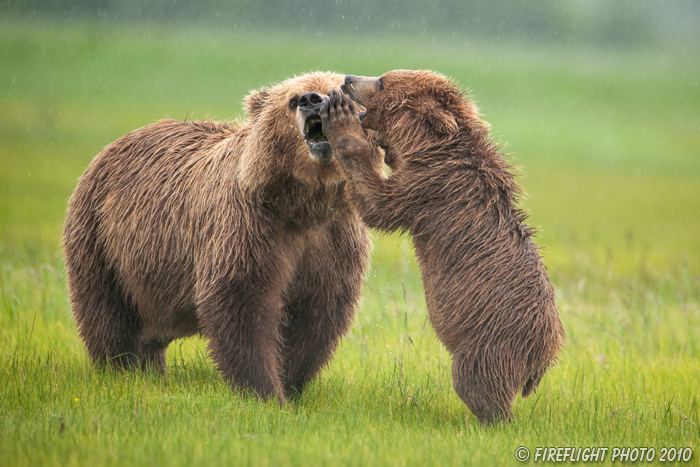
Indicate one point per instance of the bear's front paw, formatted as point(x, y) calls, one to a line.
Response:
point(340, 117)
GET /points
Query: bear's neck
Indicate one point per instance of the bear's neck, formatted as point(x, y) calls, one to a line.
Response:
point(299, 205)
point(463, 188)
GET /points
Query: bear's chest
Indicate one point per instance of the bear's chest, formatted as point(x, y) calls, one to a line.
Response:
point(298, 207)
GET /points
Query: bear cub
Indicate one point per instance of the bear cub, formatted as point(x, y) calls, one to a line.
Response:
point(488, 294)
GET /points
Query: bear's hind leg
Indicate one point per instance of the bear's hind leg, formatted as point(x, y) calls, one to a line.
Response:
point(488, 394)
point(152, 353)
point(108, 323)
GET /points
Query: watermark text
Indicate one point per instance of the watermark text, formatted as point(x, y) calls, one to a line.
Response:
point(602, 454)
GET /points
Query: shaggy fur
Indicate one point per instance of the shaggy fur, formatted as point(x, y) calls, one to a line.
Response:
point(235, 232)
point(488, 294)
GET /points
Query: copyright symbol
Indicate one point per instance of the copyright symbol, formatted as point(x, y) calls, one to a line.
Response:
point(522, 454)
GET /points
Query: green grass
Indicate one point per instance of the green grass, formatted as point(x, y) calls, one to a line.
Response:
point(609, 146)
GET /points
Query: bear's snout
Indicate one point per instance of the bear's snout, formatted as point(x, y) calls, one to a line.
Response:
point(310, 101)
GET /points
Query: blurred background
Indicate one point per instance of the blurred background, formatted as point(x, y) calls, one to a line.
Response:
point(596, 101)
point(594, 22)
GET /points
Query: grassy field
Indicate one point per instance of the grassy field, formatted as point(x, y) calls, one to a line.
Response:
point(609, 143)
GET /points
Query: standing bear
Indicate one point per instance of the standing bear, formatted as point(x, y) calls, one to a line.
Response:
point(487, 291)
point(240, 233)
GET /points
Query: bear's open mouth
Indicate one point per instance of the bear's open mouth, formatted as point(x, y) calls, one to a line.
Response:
point(313, 129)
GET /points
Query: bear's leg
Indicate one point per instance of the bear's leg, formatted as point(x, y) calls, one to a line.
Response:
point(312, 331)
point(321, 302)
point(362, 164)
point(108, 323)
point(152, 353)
point(244, 342)
point(487, 393)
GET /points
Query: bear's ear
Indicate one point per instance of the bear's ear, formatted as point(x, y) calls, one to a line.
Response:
point(255, 101)
point(440, 119)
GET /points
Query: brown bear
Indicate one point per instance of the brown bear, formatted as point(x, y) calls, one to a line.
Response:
point(239, 232)
point(487, 291)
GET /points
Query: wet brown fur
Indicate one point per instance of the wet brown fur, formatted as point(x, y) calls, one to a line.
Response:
point(232, 231)
point(488, 293)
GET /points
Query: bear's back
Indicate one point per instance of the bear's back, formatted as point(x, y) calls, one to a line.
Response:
point(139, 201)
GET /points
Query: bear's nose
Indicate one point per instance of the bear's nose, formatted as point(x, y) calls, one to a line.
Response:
point(349, 79)
point(310, 101)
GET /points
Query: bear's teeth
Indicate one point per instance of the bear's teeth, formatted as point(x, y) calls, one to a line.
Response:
point(313, 129)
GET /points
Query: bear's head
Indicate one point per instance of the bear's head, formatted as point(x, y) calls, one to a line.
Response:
point(286, 127)
point(410, 110)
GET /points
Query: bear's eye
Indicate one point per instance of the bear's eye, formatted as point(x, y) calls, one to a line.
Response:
point(294, 102)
